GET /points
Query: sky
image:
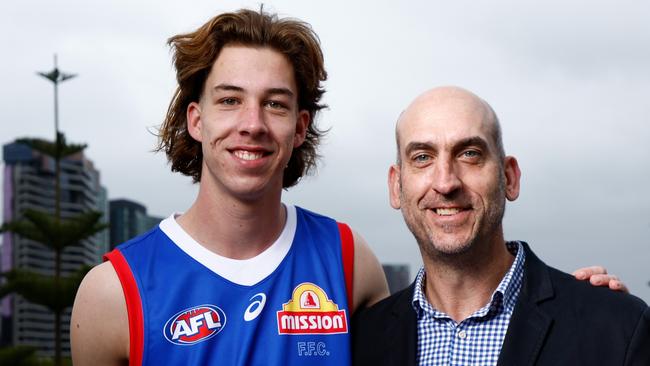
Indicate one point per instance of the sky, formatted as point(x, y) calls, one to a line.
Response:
point(569, 80)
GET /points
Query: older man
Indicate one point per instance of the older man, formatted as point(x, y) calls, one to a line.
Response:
point(480, 300)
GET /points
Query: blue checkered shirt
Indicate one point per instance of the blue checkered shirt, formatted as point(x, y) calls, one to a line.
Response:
point(476, 340)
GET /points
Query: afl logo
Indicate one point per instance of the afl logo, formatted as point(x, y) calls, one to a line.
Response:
point(194, 325)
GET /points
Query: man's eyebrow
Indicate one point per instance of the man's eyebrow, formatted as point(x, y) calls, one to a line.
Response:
point(417, 145)
point(472, 141)
point(461, 144)
point(228, 87)
point(281, 91)
point(270, 91)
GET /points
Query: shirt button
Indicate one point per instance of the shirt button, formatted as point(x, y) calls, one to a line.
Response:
point(462, 334)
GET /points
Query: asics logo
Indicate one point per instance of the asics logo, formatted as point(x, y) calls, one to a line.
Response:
point(255, 308)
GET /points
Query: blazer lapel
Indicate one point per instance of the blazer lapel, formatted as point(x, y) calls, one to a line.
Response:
point(402, 331)
point(529, 324)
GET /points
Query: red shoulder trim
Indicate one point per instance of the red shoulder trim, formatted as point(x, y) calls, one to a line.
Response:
point(133, 306)
point(347, 253)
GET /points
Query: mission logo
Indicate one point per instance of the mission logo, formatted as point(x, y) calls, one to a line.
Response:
point(194, 325)
point(310, 311)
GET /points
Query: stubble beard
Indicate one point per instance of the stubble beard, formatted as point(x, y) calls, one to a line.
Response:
point(465, 252)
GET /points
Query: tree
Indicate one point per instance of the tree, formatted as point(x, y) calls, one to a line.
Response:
point(20, 356)
point(56, 233)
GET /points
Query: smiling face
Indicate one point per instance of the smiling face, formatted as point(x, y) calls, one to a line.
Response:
point(247, 121)
point(451, 182)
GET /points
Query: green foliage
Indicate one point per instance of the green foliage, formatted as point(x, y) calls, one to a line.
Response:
point(58, 150)
point(21, 356)
point(56, 294)
point(26, 356)
point(56, 234)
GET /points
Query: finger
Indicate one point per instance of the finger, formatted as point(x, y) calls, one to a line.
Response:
point(618, 286)
point(587, 272)
point(600, 280)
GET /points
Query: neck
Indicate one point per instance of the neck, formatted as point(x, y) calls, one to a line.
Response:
point(231, 227)
point(462, 284)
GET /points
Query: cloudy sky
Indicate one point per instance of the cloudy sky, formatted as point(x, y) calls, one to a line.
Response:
point(570, 81)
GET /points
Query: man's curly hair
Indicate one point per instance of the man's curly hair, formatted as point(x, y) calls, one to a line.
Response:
point(193, 56)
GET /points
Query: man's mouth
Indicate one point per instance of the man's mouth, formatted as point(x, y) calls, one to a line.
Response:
point(248, 155)
point(447, 211)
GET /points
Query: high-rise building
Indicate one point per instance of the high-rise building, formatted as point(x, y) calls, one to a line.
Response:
point(29, 184)
point(397, 275)
point(129, 219)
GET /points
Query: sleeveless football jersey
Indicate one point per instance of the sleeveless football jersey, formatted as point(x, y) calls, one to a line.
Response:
point(286, 306)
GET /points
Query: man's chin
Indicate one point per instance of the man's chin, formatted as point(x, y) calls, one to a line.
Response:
point(453, 249)
point(447, 247)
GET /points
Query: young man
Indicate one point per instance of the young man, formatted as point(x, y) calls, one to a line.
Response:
point(480, 299)
point(240, 278)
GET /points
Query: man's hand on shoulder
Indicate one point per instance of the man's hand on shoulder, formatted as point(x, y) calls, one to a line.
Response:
point(598, 276)
point(99, 326)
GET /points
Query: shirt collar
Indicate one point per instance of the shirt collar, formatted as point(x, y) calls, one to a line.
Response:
point(503, 298)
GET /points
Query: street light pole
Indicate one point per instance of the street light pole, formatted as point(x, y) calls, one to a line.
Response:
point(56, 77)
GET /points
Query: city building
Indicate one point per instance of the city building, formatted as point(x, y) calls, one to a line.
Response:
point(29, 184)
point(398, 276)
point(129, 219)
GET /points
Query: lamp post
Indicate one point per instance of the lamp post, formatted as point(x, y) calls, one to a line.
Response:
point(56, 77)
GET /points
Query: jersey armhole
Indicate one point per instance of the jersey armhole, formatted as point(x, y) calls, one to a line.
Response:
point(133, 305)
point(347, 254)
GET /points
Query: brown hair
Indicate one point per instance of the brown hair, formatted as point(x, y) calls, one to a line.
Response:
point(193, 56)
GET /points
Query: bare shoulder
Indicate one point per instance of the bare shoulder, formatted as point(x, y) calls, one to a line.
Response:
point(99, 328)
point(369, 283)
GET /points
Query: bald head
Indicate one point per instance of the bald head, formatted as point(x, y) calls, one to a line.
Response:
point(448, 106)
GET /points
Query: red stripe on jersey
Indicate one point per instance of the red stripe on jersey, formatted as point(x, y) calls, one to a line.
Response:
point(133, 306)
point(347, 251)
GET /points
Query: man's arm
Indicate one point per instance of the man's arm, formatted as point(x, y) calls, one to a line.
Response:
point(369, 282)
point(99, 326)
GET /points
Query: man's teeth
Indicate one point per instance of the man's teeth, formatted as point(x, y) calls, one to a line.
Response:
point(248, 155)
point(447, 211)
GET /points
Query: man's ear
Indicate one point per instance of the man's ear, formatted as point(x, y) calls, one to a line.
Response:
point(301, 128)
point(513, 177)
point(394, 188)
point(193, 116)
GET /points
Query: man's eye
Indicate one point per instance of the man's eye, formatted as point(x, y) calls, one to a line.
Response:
point(228, 101)
point(275, 105)
point(471, 154)
point(421, 158)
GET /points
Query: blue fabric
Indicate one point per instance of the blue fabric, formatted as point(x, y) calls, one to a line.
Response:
point(170, 282)
point(476, 340)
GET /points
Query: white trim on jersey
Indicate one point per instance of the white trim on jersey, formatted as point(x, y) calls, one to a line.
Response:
point(246, 272)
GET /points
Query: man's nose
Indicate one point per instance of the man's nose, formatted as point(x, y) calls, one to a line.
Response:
point(253, 121)
point(445, 178)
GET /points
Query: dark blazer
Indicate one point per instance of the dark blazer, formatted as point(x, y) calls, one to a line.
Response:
point(557, 321)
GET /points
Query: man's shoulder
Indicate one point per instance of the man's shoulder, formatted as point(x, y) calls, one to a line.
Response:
point(151, 236)
point(575, 322)
point(567, 298)
point(594, 299)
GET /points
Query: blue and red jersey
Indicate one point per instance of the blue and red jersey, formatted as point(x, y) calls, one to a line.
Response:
point(287, 306)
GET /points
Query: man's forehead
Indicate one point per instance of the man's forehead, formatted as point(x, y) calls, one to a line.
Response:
point(449, 117)
point(249, 66)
